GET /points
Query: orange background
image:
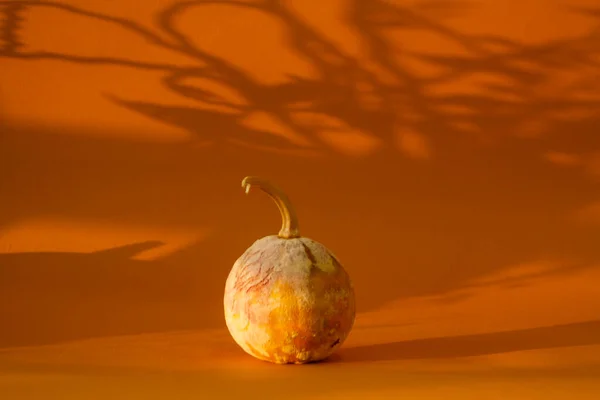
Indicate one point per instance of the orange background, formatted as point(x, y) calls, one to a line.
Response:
point(446, 151)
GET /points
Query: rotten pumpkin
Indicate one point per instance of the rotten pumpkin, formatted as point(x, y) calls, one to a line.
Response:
point(287, 298)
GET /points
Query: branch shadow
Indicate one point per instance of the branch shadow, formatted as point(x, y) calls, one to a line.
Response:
point(208, 127)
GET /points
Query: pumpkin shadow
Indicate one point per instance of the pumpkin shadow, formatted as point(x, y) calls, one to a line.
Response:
point(549, 337)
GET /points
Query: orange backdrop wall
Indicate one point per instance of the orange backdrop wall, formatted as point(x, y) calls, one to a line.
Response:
point(448, 152)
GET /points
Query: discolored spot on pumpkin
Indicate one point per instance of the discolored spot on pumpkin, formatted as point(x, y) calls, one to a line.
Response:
point(310, 255)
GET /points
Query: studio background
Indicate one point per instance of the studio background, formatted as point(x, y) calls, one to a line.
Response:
point(448, 152)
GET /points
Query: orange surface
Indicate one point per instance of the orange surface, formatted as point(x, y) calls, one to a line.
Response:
point(448, 152)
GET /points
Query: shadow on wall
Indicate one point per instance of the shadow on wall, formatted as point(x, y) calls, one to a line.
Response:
point(61, 296)
point(470, 196)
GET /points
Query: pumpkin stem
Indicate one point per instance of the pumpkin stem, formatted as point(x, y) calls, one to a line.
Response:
point(289, 224)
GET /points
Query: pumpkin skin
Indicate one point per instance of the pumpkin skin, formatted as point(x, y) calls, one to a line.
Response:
point(289, 300)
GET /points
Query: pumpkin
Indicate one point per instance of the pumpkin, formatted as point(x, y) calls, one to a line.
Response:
point(287, 298)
